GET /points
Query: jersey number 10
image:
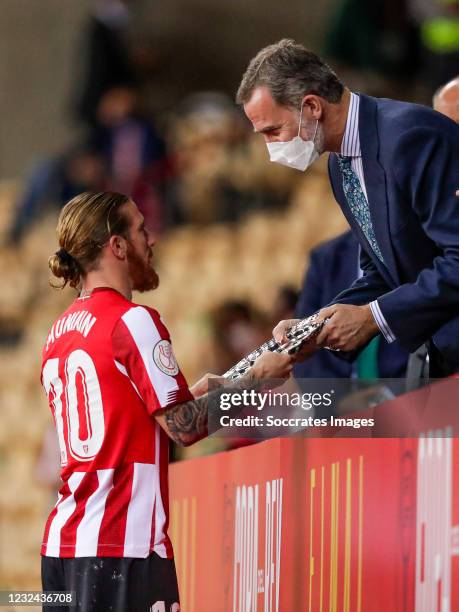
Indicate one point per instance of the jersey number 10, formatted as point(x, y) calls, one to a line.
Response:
point(64, 397)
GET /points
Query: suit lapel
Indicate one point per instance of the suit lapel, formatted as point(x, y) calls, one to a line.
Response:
point(375, 183)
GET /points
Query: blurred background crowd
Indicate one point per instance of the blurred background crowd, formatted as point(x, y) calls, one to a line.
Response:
point(137, 96)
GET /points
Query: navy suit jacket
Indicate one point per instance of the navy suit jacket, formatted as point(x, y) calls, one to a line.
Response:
point(410, 157)
point(333, 267)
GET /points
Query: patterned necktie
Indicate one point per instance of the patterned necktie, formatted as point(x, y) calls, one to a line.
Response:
point(358, 202)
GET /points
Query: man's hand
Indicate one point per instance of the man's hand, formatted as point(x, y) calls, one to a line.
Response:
point(281, 329)
point(308, 347)
point(349, 327)
point(272, 365)
point(201, 387)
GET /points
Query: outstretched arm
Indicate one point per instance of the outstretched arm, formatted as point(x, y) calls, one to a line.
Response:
point(187, 423)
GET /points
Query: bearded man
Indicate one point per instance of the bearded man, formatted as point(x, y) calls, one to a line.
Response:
point(117, 395)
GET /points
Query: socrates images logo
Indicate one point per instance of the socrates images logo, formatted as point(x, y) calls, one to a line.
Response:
point(164, 358)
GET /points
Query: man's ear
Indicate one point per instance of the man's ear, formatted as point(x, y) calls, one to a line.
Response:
point(313, 107)
point(118, 245)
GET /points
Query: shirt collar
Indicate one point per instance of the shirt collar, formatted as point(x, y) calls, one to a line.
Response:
point(350, 146)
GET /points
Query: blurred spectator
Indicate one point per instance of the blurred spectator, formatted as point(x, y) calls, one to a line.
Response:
point(122, 153)
point(284, 304)
point(133, 152)
point(238, 330)
point(446, 100)
point(220, 172)
point(52, 182)
point(333, 266)
point(106, 59)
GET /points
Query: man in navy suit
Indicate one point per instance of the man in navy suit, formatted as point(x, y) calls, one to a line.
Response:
point(394, 169)
point(333, 266)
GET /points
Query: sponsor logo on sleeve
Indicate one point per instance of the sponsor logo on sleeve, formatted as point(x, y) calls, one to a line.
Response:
point(164, 358)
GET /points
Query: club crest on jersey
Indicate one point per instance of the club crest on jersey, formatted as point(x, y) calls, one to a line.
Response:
point(164, 358)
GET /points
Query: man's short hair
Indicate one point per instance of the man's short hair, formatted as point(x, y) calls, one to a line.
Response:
point(289, 71)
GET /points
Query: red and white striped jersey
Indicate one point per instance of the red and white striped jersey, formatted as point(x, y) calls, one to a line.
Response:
point(107, 367)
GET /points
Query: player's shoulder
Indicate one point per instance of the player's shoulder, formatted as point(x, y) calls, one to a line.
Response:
point(113, 306)
point(143, 311)
point(143, 321)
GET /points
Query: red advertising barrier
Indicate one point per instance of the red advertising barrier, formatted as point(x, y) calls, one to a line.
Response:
point(338, 524)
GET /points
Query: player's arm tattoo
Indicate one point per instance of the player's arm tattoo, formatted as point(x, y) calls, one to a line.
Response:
point(187, 422)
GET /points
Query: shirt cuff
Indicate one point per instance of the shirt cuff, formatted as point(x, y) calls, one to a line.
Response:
point(381, 322)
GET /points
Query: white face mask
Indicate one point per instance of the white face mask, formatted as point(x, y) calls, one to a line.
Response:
point(296, 153)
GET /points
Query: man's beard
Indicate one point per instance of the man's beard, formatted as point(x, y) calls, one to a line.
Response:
point(143, 275)
point(320, 139)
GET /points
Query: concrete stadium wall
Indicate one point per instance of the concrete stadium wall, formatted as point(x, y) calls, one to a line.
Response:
point(201, 44)
point(37, 59)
